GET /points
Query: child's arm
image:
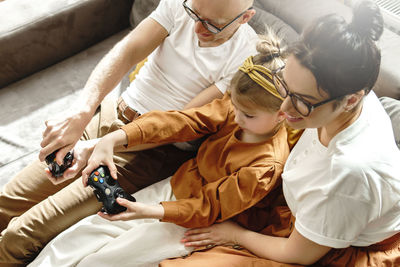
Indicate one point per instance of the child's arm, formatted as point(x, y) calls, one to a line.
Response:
point(135, 210)
point(163, 127)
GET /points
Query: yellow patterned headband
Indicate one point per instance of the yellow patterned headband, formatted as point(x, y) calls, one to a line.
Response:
point(253, 72)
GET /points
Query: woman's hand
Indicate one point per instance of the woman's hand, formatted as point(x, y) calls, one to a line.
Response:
point(135, 210)
point(217, 234)
point(81, 153)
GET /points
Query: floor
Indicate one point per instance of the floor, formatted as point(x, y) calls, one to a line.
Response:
point(26, 104)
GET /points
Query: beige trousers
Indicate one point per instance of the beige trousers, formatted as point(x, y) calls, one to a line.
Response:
point(33, 210)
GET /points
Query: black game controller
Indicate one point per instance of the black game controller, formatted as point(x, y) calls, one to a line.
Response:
point(58, 170)
point(107, 189)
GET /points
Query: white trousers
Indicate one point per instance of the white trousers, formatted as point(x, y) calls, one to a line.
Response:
point(94, 241)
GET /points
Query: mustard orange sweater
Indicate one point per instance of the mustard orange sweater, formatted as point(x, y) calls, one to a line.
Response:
point(227, 177)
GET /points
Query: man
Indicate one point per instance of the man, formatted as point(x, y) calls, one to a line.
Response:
point(193, 49)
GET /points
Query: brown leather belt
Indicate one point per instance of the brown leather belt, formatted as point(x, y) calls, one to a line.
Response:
point(125, 112)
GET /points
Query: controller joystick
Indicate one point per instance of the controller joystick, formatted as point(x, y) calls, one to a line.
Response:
point(107, 190)
point(58, 170)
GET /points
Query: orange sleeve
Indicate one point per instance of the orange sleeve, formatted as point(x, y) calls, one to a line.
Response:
point(178, 126)
point(225, 198)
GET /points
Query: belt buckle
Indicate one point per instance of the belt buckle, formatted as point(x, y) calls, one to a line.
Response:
point(123, 114)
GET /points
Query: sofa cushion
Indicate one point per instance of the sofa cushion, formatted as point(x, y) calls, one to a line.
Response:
point(141, 9)
point(263, 20)
point(392, 107)
point(299, 13)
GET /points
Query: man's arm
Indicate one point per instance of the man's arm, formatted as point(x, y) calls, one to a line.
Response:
point(138, 44)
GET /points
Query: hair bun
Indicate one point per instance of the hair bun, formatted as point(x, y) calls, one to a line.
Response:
point(367, 20)
point(269, 43)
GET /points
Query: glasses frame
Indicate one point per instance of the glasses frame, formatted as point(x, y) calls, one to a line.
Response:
point(208, 25)
point(293, 97)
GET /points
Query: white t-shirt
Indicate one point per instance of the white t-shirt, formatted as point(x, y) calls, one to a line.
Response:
point(349, 192)
point(179, 69)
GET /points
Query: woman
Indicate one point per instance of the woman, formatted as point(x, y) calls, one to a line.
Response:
point(342, 179)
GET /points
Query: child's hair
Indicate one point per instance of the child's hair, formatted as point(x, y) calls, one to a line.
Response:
point(343, 57)
point(246, 88)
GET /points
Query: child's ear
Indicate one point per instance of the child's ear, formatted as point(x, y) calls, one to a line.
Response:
point(280, 116)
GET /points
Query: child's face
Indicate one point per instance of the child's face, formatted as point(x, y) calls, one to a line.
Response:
point(253, 120)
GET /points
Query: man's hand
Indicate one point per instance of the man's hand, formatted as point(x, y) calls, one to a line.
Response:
point(135, 210)
point(82, 152)
point(62, 134)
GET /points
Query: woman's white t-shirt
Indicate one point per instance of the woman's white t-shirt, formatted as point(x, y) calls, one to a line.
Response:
point(179, 69)
point(346, 194)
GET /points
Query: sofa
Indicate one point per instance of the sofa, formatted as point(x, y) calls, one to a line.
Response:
point(48, 49)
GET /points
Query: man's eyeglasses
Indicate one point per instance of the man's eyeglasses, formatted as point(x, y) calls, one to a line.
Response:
point(208, 25)
point(301, 105)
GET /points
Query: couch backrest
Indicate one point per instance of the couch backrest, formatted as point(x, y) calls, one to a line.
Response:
point(289, 17)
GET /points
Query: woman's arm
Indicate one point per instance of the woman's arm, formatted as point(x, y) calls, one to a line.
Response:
point(295, 249)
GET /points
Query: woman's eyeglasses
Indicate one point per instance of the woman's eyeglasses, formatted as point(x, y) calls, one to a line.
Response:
point(301, 105)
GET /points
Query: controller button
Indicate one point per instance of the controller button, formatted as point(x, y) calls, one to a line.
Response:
point(102, 175)
point(95, 179)
point(101, 180)
point(107, 191)
point(96, 173)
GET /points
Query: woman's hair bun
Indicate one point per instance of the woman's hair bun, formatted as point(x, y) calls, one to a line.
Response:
point(367, 20)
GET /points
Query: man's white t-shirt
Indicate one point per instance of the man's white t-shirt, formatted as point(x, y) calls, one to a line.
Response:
point(179, 69)
point(346, 194)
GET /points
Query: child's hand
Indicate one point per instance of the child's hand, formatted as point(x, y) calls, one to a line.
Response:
point(217, 234)
point(102, 155)
point(135, 210)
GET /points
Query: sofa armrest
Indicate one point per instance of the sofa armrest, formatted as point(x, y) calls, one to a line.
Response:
point(35, 34)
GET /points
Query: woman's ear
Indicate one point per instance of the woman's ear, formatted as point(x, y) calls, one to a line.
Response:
point(353, 100)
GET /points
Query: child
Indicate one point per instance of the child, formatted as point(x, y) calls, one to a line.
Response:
point(235, 175)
